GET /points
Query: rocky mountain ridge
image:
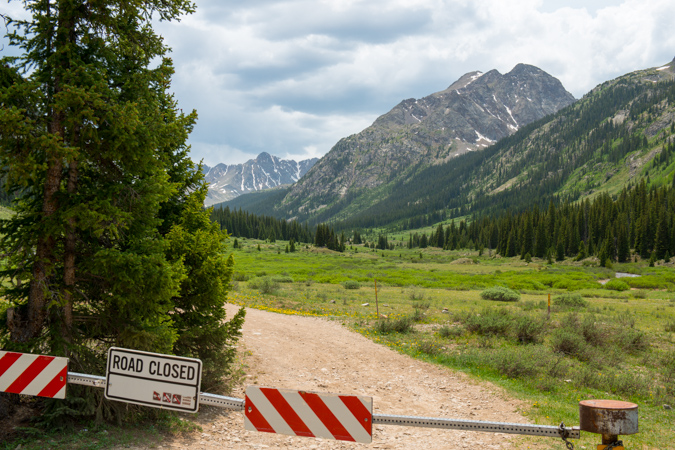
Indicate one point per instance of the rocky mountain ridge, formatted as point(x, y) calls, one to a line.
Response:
point(266, 171)
point(472, 113)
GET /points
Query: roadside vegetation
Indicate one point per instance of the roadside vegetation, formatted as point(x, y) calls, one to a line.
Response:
point(488, 316)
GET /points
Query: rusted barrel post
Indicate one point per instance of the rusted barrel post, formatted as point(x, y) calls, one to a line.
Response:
point(610, 418)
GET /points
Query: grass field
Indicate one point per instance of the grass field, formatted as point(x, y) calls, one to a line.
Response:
point(613, 341)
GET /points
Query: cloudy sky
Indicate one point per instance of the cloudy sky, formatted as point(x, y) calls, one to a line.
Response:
point(292, 77)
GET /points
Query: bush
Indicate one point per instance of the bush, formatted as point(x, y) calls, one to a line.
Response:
point(515, 364)
point(491, 322)
point(416, 293)
point(617, 285)
point(639, 294)
point(500, 294)
point(528, 330)
point(531, 305)
point(421, 305)
point(564, 340)
point(402, 325)
point(265, 285)
point(632, 340)
point(670, 326)
point(429, 348)
point(417, 315)
point(568, 301)
point(351, 284)
point(239, 276)
point(282, 279)
point(447, 331)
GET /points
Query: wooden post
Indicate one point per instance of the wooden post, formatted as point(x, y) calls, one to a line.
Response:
point(549, 307)
point(377, 305)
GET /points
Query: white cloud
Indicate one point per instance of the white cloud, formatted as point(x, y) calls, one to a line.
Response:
point(292, 77)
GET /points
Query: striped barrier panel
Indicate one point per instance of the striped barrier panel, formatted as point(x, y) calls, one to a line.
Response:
point(40, 375)
point(309, 414)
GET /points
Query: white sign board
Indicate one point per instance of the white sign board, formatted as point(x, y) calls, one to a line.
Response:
point(153, 379)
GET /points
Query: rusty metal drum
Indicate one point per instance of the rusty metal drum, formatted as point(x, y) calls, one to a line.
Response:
point(608, 417)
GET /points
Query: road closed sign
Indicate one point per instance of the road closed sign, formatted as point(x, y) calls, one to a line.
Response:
point(153, 379)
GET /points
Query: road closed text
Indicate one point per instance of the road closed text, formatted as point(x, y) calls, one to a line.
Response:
point(154, 367)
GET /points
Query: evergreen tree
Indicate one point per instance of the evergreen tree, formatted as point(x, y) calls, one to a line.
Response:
point(109, 223)
point(582, 251)
point(541, 243)
point(528, 236)
point(440, 236)
point(560, 249)
point(662, 241)
point(622, 244)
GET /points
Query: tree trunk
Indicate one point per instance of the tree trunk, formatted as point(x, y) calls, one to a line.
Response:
point(44, 253)
point(69, 260)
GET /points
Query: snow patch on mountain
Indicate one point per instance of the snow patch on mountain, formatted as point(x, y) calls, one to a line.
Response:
point(265, 172)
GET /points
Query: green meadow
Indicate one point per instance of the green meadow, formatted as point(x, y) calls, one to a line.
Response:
point(605, 337)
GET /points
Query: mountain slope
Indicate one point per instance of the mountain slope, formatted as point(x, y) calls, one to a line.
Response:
point(619, 133)
point(265, 172)
point(471, 114)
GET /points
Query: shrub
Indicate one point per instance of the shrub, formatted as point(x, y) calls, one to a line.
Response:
point(569, 301)
point(528, 330)
point(239, 276)
point(401, 325)
point(501, 294)
point(565, 341)
point(515, 364)
point(417, 315)
point(282, 279)
point(670, 326)
point(421, 305)
point(590, 330)
point(265, 285)
point(531, 305)
point(429, 348)
point(639, 294)
point(351, 284)
point(617, 285)
point(668, 366)
point(416, 294)
point(490, 322)
point(447, 331)
point(632, 340)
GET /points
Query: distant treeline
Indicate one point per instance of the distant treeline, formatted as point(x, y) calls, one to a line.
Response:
point(240, 223)
point(639, 219)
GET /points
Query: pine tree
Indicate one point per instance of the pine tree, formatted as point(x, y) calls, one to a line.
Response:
point(440, 236)
point(662, 241)
point(541, 243)
point(622, 244)
point(110, 224)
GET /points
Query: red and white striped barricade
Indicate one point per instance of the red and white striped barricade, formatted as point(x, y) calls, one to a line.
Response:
point(40, 375)
point(309, 414)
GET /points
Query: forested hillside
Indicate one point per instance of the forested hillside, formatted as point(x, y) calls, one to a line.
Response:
point(620, 132)
point(640, 218)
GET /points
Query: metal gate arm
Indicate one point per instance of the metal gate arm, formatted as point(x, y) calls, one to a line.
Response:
point(490, 427)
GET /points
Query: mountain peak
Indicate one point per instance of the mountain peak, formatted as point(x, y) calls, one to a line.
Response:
point(264, 172)
point(474, 112)
point(264, 156)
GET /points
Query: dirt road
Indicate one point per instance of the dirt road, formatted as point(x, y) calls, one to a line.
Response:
point(318, 355)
